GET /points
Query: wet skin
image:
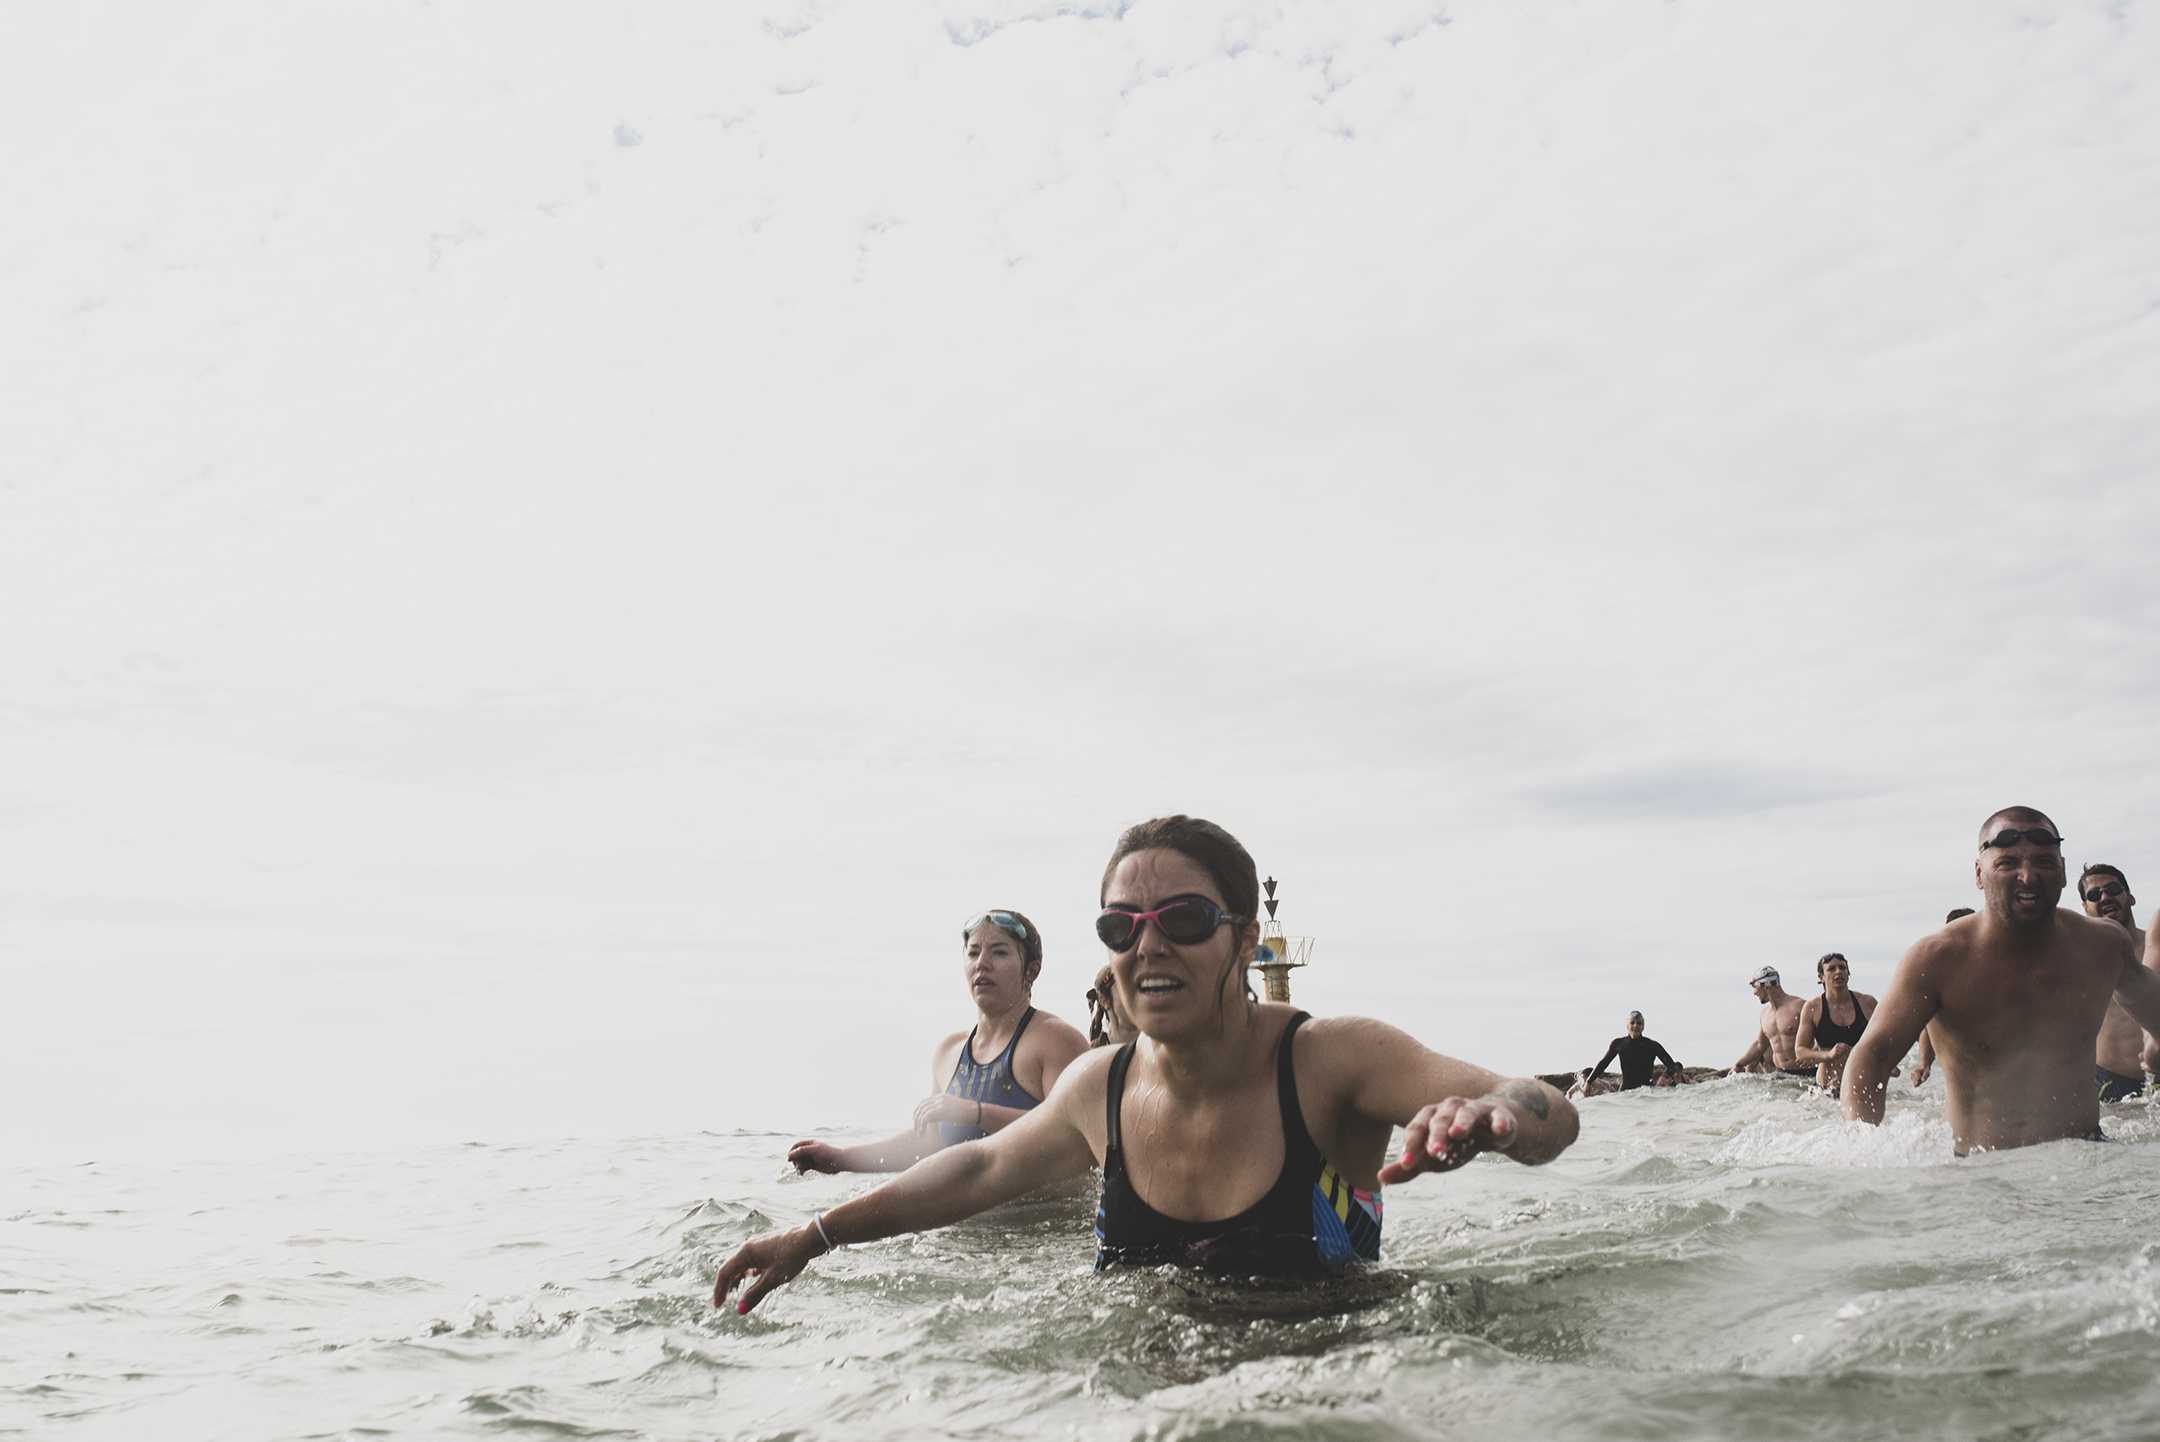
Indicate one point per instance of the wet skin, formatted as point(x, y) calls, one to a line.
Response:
point(1836, 1005)
point(1776, 1027)
point(1202, 1129)
point(994, 969)
point(2013, 998)
point(2120, 1046)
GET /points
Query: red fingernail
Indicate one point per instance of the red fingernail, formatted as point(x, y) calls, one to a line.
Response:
point(742, 1307)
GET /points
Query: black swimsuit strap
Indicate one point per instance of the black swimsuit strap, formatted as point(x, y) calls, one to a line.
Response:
point(1025, 1017)
point(1296, 1140)
point(1115, 1093)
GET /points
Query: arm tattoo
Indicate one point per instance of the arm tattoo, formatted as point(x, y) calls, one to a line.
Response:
point(1528, 1094)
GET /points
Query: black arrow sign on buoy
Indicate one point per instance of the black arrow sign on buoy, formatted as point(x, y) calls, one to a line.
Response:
point(1269, 884)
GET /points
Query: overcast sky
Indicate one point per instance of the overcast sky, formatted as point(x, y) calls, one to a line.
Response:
point(551, 559)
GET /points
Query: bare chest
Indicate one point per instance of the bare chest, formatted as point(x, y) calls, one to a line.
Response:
point(2006, 1009)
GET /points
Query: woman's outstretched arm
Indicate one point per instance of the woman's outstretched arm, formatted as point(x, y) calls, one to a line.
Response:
point(1044, 1146)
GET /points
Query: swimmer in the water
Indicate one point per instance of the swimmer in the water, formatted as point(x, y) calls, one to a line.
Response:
point(1775, 1027)
point(1234, 1134)
point(1106, 1027)
point(1831, 1023)
point(2015, 995)
point(983, 1079)
point(2119, 1049)
point(1927, 1037)
point(1637, 1054)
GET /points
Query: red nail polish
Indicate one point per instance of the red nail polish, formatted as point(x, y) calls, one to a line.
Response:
point(741, 1308)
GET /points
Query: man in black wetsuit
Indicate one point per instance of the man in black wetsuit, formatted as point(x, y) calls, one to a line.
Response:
point(1636, 1053)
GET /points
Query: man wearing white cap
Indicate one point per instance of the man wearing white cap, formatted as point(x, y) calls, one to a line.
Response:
point(1773, 1048)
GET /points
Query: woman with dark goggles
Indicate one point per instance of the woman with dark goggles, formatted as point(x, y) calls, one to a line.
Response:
point(982, 1079)
point(1184, 1119)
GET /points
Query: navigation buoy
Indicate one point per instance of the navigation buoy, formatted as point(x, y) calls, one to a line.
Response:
point(1277, 954)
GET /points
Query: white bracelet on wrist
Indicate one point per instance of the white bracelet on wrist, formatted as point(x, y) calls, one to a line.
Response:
point(817, 1219)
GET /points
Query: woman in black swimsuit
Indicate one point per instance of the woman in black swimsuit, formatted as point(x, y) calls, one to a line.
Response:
point(1824, 1040)
point(1233, 1134)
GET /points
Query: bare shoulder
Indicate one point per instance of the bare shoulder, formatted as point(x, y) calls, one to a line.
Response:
point(1089, 1072)
point(1077, 1095)
point(949, 1049)
point(1331, 1038)
point(1811, 1007)
point(1937, 950)
point(2095, 924)
point(1053, 1032)
point(2104, 937)
point(1864, 1000)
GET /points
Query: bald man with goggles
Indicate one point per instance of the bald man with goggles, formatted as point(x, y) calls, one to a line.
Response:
point(2014, 996)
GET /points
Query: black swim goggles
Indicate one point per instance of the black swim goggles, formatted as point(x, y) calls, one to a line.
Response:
point(2038, 836)
point(1182, 919)
point(1004, 921)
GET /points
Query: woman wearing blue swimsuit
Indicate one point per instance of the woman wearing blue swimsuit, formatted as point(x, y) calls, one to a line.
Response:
point(1236, 1135)
point(985, 1078)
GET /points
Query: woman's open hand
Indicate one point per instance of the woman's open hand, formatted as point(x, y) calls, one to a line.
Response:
point(770, 1261)
point(1446, 1134)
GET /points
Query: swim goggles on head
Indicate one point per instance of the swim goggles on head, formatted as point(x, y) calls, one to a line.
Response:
point(1004, 921)
point(2038, 836)
point(1183, 919)
point(2101, 893)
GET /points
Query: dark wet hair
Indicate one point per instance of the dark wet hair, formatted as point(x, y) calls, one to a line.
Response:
point(1957, 912)
point(1228, 864)
point(1222, 856)
point(1826, 958)
point(2102, 868)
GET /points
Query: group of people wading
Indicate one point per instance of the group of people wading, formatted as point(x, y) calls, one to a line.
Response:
point(2019, 992)
point(1245, 1137)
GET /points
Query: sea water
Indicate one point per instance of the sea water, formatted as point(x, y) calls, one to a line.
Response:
point(1725, 1260)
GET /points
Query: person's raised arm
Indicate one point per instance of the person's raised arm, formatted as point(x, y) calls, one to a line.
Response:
point(2138, 988)
point(2151, 1057)
point(1449, 1110)
point(1042, 1147)
point(1907, 1006)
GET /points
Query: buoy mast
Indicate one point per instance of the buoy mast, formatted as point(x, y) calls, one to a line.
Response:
point(1276, 953)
